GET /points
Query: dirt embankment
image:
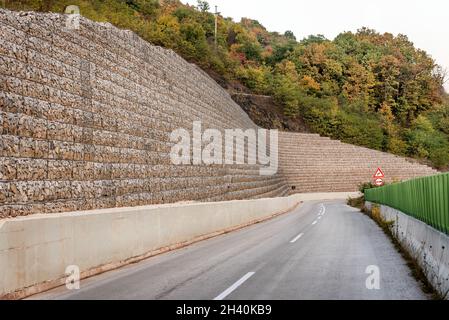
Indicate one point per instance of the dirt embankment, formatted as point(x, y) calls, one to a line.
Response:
point(263, 110)
point(266, 113)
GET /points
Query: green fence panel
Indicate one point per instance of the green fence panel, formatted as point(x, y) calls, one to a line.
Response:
point(426, 199)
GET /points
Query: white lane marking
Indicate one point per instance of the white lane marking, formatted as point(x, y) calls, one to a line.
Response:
point(229, 290)
point(297, 238)
point(314, 223)
point(319, 218)
point(322, 210)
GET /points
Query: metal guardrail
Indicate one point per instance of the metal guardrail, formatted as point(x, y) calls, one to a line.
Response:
point(426, 199)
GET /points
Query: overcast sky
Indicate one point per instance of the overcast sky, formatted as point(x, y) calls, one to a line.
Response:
point(425, 22)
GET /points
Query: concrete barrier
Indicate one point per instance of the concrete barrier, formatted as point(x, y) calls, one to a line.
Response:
point(427, 245)
point(36, 250)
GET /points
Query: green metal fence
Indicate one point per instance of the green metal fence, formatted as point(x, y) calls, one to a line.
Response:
point(426, 199)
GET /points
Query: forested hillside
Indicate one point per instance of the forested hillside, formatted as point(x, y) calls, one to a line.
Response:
point(370, 89)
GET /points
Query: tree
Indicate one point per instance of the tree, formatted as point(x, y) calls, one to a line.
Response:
point(166, 31)
point(289, 35)
point(313, 39)
point(195, 44)
point(203, 6)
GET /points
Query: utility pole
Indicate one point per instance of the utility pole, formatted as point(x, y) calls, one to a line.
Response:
point(216, 26)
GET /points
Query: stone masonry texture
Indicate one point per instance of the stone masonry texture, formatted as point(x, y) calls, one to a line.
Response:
point(311, 163)
point(86, 117)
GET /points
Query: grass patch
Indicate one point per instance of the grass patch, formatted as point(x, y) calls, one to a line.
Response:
point(358, 203)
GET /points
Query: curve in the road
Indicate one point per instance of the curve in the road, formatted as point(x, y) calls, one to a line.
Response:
point(318, 251)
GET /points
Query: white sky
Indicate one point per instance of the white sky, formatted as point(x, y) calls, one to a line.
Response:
point(425, 22)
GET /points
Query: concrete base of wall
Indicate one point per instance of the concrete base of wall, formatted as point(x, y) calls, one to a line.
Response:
point(36, 250)
point(427, 245)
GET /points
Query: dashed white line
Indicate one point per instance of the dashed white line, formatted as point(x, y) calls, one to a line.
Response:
point(315, 222)
point(322, 210)
point(297, 238)
point(229, 290)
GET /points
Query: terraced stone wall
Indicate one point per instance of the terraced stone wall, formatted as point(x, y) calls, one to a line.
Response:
point(86, 116)
point(311, 163)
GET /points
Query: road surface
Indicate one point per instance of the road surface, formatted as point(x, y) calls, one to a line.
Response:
point(322, 250)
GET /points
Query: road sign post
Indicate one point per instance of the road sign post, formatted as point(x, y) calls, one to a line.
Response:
point(379, 182)
point(379, 177)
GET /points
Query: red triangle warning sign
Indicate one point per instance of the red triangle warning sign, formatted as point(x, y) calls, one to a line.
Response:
point(379, 173)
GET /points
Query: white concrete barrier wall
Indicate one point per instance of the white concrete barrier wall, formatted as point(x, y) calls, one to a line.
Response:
point(36, 250)
point(427, 245)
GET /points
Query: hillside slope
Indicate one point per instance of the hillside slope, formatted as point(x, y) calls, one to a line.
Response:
point(364, 88)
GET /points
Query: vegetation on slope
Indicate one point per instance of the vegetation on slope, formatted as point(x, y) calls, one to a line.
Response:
point(370, 89)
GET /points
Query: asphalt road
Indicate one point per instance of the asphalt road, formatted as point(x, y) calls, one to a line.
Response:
point(319, 251)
